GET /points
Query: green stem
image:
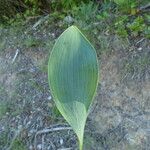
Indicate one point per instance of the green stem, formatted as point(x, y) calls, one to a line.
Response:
point(81, 141)
point(80, 145)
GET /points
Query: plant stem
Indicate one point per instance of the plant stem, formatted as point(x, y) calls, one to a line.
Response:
point(80, 139)
point(80, 145)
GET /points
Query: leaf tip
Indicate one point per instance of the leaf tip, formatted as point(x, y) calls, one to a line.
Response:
point(74, 27)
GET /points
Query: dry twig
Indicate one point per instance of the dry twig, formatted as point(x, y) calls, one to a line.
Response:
point(47, 130)
point(16, 54)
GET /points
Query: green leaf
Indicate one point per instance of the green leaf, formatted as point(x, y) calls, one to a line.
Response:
point(120, 2)
point(73, 78)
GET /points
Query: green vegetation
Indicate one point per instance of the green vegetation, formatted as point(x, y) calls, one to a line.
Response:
point(10, 108)
point(4, 138)
point(7, 106)
point(32, 42)
point(69, 77)
point(3, 109)
point(2, 45)
point(123, 17)
point(18, 145)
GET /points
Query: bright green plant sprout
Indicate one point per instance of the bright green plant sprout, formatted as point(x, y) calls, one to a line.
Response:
point(73, 78)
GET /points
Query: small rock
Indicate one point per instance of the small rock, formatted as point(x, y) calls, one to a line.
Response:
point(68, 19)
point(140, 48)
point(30, 147)
point(61, 141)
point(130, 139)
point(49, 98)
point(7, 113)
point(31, 132)
point(32, 70)
point(53, 35)
point(49, 148)
point(39, 146)
point(3, 128)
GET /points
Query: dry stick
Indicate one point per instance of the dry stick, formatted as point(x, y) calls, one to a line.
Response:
point(16, 54)
point(43, 142)
point(145, 7)
point(44, 131)
point(40, 21)
point(65, 149)
point(141, 40)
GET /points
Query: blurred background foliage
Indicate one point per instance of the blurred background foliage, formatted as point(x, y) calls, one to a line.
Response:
point(125, 17)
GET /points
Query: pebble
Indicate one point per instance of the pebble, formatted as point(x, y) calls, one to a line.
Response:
point(39, 146)
point(30, 147)
point(140, 48)
point(61, 141)
point(49, 98)
point(68, 19)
